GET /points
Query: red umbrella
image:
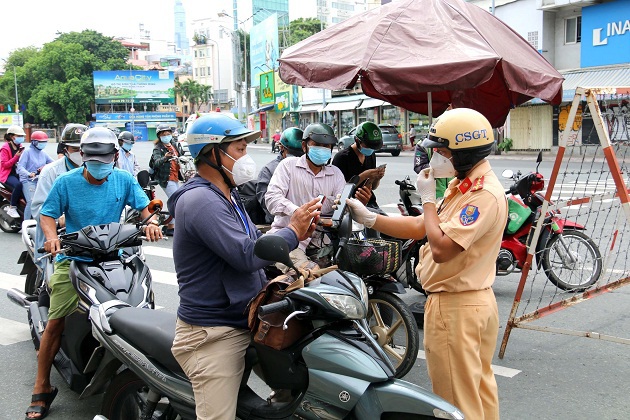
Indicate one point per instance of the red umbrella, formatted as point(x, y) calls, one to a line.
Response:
point(461, 54)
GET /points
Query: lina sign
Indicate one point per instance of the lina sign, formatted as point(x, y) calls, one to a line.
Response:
point(606, 34)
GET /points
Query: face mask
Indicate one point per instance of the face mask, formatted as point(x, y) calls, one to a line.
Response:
point(76, 158)
point(166, 139)
point(243, 170)
point(40, 145)
point(18, 140)
point(127, 146)
point(366, 151)
point(442, 167)
point(99, 170)
point(319, 155)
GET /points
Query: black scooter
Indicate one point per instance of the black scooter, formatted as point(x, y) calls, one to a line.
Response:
point(105, 273)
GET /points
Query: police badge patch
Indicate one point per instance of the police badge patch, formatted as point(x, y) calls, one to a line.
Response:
point(469, 215)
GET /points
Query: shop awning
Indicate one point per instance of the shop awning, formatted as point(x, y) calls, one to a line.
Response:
point(607, 79)
point(342, 106)
point(372, 103)
point(311, 108)
point(262, 108)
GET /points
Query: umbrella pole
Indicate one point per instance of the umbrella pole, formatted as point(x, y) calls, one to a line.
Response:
point(430, 108)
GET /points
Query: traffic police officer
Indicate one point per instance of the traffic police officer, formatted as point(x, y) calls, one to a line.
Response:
point(457, 265)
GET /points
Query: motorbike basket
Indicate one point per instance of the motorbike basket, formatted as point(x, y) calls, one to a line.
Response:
point(370, 257)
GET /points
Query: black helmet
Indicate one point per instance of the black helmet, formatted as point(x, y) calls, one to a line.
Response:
point(126, 137)
point(162, 127)
point(71, 134)
point(320, 134)
point(370, 135)
point(292, 139)
point(99, 144)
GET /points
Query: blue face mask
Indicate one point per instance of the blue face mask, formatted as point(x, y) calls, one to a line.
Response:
point(319, 155)
point(99, 170)
point(127, 146)
point(366, 151)
point(18, 140)
point(166, 139)
point(39, 144)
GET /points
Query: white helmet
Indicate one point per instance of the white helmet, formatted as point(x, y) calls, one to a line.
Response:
point(17, 130)
point(99, 144)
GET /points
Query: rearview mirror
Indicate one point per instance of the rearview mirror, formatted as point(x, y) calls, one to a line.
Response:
point(539, 158)
point(508, 173)
point(155, 205)
point(273, 248)
point(143, 178)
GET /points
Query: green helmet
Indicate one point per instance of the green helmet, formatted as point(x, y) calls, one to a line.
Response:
point(370, 135)
point(292, 139)
point(320, 134)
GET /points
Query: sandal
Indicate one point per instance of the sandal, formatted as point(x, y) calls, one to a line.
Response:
point(47, 398)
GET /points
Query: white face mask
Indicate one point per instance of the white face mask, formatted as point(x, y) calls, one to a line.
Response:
point(243, 170)
point(442, 167)
point(76, 158)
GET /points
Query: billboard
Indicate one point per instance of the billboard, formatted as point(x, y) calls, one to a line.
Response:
point(605, 34)
point(137, 86)
point(267, 88)
point(263, 43)
point(288, 97)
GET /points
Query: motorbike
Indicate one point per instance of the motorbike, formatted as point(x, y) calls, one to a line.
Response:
point(7, 223)
point(570, 259)
point(391, 321)
point(133, 216)
point(337, 370)
point(100, 272)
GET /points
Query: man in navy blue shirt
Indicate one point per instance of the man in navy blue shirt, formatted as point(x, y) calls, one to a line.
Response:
point(217, 271)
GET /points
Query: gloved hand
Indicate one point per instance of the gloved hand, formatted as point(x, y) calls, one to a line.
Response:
point(426, 185)
point(360, 213)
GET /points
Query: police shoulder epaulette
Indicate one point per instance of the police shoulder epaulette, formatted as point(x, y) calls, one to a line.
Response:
point(478, 184)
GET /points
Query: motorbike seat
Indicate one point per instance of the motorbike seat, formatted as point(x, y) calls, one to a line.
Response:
point(151, 332)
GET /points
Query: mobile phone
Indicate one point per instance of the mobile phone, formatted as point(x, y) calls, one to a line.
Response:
point(366, 183)
point(321, 199)
point(347, 192)
point(382, 166)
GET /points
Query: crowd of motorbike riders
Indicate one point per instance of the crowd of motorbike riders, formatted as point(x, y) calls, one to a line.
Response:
point(95, 178)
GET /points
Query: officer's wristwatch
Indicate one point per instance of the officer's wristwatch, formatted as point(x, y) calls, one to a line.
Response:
point(155, 222)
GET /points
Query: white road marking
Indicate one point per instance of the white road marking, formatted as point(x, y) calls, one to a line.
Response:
point(11, 281)
point(158, 251)
point(498, 370)
point(13, 332)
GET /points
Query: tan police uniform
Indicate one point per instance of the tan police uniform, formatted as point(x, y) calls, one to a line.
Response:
point(461, 316)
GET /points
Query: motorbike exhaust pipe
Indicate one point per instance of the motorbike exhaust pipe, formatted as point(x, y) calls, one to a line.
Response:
point(19, 298)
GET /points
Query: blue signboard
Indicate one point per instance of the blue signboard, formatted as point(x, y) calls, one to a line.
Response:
point(137, 86)
point(263, 53)
point(140, 130)
point(606, 34)
point(137, 116)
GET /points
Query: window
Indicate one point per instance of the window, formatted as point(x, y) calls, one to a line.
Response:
point(209, 71)
point(532, 38)
point(573, 30)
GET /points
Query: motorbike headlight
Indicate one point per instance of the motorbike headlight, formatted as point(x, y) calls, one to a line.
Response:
point(349, 305)
point(454, 415)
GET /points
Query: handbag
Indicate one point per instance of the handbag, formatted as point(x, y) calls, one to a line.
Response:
point(267, 330)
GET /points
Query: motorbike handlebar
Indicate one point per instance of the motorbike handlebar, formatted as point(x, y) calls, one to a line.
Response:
point(283, 305)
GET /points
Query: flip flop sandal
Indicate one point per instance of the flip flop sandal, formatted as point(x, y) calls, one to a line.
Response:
point(47, 398)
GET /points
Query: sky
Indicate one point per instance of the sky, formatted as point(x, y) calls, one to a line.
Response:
point(36, 22)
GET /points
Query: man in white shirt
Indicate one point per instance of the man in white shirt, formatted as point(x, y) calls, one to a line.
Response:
point(126, 158)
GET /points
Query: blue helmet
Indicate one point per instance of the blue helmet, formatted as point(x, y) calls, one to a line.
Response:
point(216, 128)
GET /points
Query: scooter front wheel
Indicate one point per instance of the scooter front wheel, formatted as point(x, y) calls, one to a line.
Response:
point(395, 329)
point(572, 261)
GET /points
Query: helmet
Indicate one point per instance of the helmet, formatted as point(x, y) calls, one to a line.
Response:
point(460, 129)
point(370, 135)
point(216, 128)
point(466, 133)
point(39, 136)
point(71, 134)
point(277, 130)
point(99, 144)
point(320, 134)
point(162, 127)
point(126, 137)
point(17, 130)
point(291, 138)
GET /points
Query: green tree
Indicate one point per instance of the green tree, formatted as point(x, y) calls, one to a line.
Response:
point(300, 29)
point(56, 81)
point(193, 92)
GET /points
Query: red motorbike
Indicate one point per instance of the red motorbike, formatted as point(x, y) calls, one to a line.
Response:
point(570, 259)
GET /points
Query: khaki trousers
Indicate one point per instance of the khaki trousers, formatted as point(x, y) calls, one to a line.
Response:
point(460, 335)
point(214, 360)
